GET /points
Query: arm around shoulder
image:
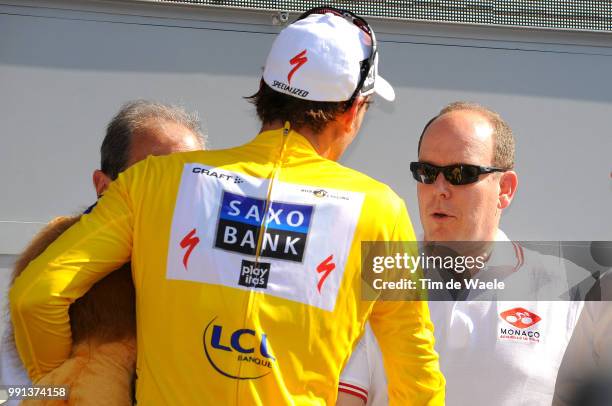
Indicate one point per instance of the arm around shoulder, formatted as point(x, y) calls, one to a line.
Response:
point(41, 295)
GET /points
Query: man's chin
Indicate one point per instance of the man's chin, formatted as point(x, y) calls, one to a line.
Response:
point(441, 234)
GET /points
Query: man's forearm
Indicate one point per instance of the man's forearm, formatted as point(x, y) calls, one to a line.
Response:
point(40, 322)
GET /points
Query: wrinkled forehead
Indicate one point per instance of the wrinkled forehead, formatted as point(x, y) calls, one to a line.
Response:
point(458, 137)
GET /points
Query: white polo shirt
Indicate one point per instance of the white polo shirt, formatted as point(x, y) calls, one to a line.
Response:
point(589, 351)
point(492, 352)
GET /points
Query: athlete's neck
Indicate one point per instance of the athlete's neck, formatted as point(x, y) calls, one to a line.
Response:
point(326, 142)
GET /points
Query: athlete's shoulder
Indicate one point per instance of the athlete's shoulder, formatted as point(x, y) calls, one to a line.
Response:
point(211, 158)
point(167, 168)
point(42, 240)
point(364, 183)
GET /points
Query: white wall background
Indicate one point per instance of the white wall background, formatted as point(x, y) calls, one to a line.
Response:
point(67, 66)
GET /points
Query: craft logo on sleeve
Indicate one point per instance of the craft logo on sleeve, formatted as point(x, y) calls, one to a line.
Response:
point(522, 320)
point(242, 217)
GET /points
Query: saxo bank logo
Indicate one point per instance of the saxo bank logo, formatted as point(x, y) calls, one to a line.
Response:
point(237, 354)
point(240, 222)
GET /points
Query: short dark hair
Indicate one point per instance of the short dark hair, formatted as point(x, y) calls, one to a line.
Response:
point(272, 105)
point(503, 138)
point(132, 117)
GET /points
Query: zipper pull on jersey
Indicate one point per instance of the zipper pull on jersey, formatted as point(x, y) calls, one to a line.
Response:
point(263, 227)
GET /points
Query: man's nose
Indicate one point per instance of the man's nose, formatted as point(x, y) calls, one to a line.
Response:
point(442, 187)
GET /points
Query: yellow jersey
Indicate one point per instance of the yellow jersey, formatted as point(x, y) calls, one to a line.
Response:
point(246, 265)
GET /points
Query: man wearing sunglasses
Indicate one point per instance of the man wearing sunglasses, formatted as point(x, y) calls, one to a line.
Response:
point(464, 174)
point(246, 261)
point(465, 180)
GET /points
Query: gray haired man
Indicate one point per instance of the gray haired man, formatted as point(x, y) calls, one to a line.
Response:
point(101, 367)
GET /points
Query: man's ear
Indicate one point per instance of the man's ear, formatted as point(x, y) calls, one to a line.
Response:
point(100, 181)
point(507, 188)
point(351, 115)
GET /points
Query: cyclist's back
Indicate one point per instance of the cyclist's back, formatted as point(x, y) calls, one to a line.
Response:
point(246, 261)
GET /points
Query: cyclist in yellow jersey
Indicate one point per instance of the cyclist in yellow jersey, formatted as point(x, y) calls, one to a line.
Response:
point(246, 261)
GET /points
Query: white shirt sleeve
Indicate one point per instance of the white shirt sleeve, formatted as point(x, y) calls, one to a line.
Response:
point(590, 348)
point(364, 374)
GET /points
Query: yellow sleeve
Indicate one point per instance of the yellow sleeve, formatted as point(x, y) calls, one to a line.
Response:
point(405, 334)
point(41, 296)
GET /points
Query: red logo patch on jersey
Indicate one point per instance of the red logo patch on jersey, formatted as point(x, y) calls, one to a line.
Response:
point(298, 60)
point(325, 268)
point(189, 241)
point(519, 317)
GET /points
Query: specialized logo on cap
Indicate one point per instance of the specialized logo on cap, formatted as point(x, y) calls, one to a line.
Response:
point(522, 319)
point(298, 60)
point(286, 227)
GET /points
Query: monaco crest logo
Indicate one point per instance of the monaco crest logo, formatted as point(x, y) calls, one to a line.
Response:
point(520, 317)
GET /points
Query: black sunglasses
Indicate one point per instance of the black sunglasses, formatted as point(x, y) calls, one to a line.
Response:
point(367, 72)
point(457, 174)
